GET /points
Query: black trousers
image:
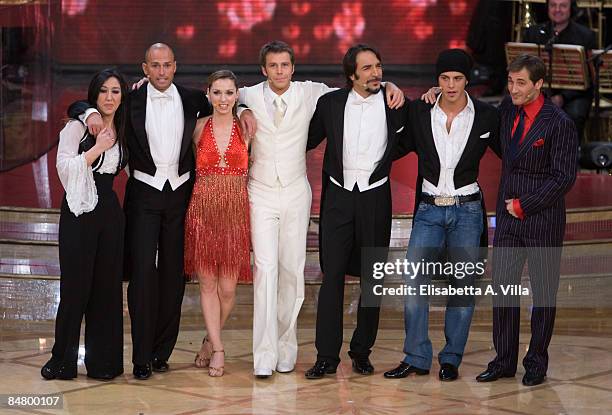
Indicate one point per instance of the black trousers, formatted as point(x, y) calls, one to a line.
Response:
point(350, 221)
point(91, 255)
point(509, 257)
point(154, 249)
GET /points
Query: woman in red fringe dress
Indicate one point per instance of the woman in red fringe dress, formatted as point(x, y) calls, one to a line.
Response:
point(217, 240)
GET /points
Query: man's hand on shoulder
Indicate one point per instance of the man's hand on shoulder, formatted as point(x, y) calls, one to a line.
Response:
point(431, 95)
point(248, 123)
point(94, 123)
point(395, 96)
point(140, 83)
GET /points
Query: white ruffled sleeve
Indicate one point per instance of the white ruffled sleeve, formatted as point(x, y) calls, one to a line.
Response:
point(74, 173)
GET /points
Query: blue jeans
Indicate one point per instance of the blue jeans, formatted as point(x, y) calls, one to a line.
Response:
point(435, 228)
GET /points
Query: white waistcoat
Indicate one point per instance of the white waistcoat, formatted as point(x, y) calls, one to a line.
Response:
point(279, 154)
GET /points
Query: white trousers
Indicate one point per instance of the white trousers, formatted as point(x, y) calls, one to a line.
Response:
point(279, 225)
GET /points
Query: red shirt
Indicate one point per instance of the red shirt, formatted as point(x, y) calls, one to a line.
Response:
point(531, 112)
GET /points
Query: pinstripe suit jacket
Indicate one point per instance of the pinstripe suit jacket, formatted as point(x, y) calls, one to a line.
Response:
point(540, 175)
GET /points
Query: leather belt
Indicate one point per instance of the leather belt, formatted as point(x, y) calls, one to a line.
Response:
point(449, 200)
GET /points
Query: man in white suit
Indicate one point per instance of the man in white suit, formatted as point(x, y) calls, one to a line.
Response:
point(280, 198)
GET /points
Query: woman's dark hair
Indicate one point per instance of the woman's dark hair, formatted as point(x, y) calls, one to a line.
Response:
point(120, 117)
point(349, 62)
point(224, 74)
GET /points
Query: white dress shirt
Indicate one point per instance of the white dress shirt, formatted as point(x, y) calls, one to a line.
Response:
point(74, 173)
point(365, 140)
point(164, 125)
point(269, 98)
point(450, 146)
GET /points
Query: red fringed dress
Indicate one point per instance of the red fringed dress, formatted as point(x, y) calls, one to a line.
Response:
point(217, 238)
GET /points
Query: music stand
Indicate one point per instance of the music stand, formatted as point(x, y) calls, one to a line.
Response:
point(569, 68)
point(605, 71)
point(599, 151)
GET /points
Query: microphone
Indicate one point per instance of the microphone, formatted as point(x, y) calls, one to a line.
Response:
point(551, 40)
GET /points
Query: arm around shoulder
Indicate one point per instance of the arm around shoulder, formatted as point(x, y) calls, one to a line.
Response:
point(405, 136)
point(494, 124)
point(203, 105)
point(197, 132)
point(78, 108)
point(316, 130)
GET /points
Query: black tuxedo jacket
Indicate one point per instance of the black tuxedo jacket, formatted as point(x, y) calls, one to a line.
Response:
point(484, 133)
point(328, 122)
point(195, 105)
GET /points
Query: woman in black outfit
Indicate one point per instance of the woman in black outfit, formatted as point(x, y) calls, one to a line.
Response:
point(91, 238)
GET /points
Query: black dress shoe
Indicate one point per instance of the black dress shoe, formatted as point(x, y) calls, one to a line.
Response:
point(362, 365)
point(448, 372)
point(159, 365)
point(142, 372)
point(491, 375)
point(104, 376)
point(529, 379)
point(320, 369)
point(55, 369)
point(403, 370)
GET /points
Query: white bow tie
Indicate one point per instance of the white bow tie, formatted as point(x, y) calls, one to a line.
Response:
point(361, 102)
point(160, 95)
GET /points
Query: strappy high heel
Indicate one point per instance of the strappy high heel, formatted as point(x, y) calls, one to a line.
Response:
point(202, 358)
point(217, 371)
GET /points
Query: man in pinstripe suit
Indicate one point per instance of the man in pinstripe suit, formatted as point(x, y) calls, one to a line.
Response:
point(540, 151)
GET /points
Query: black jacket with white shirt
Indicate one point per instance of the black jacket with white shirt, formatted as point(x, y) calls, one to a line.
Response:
point(328, 122)
point(484, 133)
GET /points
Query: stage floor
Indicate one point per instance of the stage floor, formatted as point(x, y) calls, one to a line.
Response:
point(578, 381)
point(580, 353)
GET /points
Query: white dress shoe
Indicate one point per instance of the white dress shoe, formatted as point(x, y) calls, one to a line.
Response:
point(285, 368)
point(262, 373)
